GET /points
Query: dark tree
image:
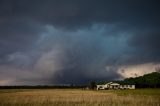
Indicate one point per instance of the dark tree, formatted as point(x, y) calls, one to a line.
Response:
point(92, 85)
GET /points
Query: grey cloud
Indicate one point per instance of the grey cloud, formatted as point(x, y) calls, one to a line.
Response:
point(75, 13)
point(146, 46)
point(61, 57)
point(75, 41)
point(18, 36)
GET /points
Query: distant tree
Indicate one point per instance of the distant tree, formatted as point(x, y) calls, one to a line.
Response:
point(92, 85)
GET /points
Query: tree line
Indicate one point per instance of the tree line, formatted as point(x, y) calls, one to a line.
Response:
point(151, 80)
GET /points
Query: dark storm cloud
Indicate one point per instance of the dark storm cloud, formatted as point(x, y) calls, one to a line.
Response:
point(75, 41)
point(146, 44)
point(74, 13)
point(15, 34)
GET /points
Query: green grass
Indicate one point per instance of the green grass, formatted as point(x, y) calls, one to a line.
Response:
point(142, 92)
point(77, 97)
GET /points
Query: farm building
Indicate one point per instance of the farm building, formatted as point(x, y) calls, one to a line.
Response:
point(112, 85)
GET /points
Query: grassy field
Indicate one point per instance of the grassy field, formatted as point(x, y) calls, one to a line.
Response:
point(77, 97)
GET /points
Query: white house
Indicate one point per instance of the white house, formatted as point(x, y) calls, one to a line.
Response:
point(127, 86)
point(112, 85)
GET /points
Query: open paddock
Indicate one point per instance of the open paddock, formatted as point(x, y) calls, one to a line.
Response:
point(78, 97)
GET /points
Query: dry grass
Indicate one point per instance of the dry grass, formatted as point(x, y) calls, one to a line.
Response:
point(70, 97)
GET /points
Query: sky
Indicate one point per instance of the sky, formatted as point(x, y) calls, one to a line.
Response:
point(77, 41)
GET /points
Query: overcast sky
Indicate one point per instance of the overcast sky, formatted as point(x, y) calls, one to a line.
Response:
point(77, 41)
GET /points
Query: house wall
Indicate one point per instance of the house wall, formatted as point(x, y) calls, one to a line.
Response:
point(127, 86)
point(100, 87)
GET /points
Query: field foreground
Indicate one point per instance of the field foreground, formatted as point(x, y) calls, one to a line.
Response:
point(77, 97)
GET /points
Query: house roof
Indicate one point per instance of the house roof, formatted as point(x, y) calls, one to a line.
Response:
point(114, 84)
